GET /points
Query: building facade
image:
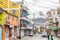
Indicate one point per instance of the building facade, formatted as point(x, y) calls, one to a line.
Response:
point(24, 22)
point(10, 27)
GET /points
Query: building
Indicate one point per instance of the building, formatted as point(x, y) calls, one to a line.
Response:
point(24, 22)
point(11, 14)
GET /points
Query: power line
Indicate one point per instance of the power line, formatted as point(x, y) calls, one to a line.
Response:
point(31, 6)
point(48, 1)
point(37, 5)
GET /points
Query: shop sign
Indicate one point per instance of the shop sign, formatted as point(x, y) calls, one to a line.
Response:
point(2, 18)
point(11, 26)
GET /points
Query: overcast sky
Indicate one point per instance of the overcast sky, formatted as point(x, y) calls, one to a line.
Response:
point(40, 5)
point(20, 0)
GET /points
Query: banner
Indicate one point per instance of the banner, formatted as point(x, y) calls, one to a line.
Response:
point(2, 18)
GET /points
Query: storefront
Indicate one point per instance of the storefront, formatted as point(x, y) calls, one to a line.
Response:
point(9, 32)
point(6, 32)
point(15, 32)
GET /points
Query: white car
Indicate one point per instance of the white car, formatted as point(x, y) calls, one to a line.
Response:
point(44, 34)
point(58, 35)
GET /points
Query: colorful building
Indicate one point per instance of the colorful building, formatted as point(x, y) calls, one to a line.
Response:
point(24, 22)
point(11, 19)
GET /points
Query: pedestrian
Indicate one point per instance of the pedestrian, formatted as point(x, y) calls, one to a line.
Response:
point(48, 33)
point(55, 29)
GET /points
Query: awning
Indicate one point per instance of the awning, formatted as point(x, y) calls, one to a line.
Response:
point(26, 22)
point(1, 10)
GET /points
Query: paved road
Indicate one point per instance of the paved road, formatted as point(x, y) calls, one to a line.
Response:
point(36, 37)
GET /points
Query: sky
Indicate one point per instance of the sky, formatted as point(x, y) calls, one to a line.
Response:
point(20, 0)
point(36, 6)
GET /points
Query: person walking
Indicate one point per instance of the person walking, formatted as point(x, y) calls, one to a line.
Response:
point(48, 33)
point(55, 29)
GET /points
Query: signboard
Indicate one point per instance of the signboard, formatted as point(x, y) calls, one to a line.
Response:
point(11, 26)
point(2, 18)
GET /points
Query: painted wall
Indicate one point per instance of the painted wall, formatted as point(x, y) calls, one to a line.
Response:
point(2, 18)
point(16, 12)
point(4, 4)
point(13, 5)
point(12, 20)
point(15, 22)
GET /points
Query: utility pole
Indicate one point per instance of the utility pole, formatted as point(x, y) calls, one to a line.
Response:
point(21, 11)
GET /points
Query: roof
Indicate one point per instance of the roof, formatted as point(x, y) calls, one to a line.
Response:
point(1, 10)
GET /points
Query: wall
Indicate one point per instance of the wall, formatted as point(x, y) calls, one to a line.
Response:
point(4, 3)
point(12, 20)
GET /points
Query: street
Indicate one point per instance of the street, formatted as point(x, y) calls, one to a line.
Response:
point(36, 37)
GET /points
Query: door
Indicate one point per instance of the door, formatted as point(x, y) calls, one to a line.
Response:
point(0, 33)
point(10, 33)
point(6, 32)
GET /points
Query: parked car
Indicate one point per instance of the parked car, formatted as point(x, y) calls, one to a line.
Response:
point(44, 34)
point(58, 35)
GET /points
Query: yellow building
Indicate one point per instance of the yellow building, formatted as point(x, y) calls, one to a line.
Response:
point(13, 9)
point(10, 6)
point(4, 3)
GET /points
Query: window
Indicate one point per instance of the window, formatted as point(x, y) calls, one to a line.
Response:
point(13, 4)
point(8, 17)
point(16, 19)
point(12, 18)
point(13, 12)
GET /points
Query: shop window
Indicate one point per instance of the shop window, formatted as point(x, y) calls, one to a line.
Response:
point(13, 12)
